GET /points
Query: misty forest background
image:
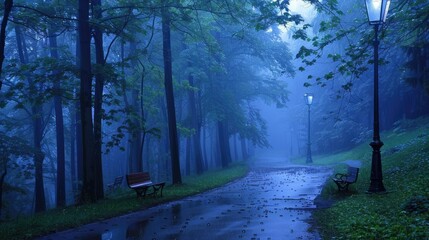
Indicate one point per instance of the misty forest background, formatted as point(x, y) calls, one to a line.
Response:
point(91, 90)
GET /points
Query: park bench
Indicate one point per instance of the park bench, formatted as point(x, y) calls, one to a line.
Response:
point(344, 180)
point(117, 183)
point(141, 182)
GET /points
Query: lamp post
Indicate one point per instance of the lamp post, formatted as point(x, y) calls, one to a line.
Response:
point(377, 12)
point(308, 98)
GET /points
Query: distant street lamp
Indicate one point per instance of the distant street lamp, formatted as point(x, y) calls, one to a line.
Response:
point(308, 97)
point(377, 12)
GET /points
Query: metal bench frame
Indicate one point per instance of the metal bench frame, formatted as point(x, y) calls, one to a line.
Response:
point(344, 180)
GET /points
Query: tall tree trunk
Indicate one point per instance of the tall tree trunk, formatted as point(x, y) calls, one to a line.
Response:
point(3, 160)
point(8, 4)
point(216, 148)
point(78, 132)
point(59, 127)
point(40, 202)
point(168, 81)
point(89, 192)
point(235, 146)
point(79, 145)
point(204, 148)
point(188, 157)
point(36, 111)
point(73, 167)
point(133, 110)
point(244, 153)
point(98, 101)
point(135, 135)
point(225, 152)
point(195, 123)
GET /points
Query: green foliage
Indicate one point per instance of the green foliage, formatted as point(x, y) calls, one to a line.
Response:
point(15, 147)
point(401, 213)
point(28, 227)
point(273, 13)
point(347, 40)
point(33, 83)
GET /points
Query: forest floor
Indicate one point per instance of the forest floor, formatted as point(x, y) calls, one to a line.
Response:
point(402, 212)
point(272, 202)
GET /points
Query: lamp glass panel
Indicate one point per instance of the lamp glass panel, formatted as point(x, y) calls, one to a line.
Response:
point(385, 10)
point(310, 99)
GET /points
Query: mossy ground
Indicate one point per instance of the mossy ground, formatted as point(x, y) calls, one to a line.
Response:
point(118, 203)
point(403, 211)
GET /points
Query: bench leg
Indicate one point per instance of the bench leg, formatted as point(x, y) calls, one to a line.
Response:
point(141, 192)
point(342, 186)
point(156, 188)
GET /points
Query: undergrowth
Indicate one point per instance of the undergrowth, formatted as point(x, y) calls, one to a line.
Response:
point(120, 202)
point(400, 213)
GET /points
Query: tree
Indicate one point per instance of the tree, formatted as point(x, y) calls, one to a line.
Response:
point(98, 99)
point(59, 125)
point(195, 122)
point(89, 191)
point(36, 113)
point(168, 76)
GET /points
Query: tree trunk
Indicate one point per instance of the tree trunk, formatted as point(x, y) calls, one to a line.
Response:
point(204, 148)
point(188, 157)
point(89, 193)
point(225, 153)
point(73, 166)
point(136, 136)
point(234, 138)
point(168, 81)
point(78, 133)
point(244, 153)
point(79, 145)
point(59, 127)
point(135, 159)
point(8, 4)
point(195, 123)
point(40, 202)
point(3, 160)
point(98, 101)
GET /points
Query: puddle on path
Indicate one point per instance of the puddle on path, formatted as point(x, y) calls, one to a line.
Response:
point(267, 204)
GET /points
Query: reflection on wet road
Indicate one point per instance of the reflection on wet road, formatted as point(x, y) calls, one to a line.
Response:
point(266, 204)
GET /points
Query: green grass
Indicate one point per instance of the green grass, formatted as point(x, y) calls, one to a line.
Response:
point(402, 212)
point(122, 202)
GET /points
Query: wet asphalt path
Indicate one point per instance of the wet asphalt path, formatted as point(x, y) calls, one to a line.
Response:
point(273, 203)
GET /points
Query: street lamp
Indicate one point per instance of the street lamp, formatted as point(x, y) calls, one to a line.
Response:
point(377, 12)
point(308, 98)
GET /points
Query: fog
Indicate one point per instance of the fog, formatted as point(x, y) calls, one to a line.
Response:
point(94, 91)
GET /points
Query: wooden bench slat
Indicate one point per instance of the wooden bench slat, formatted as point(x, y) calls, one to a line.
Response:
point(140, 184)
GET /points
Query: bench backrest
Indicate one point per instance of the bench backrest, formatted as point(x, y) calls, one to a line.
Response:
point(139, 177)
point(352, 174)
point(118, 180)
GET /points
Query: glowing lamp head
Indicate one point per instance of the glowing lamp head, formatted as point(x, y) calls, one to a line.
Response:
point(377, 10)
point(308, 98)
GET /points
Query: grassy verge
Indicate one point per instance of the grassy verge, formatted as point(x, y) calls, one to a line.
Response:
point(402, 212)
point(124, 201)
